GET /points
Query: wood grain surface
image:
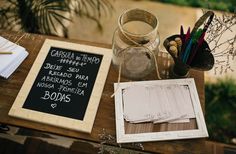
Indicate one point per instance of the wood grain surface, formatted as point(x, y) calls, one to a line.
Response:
point(105, 118)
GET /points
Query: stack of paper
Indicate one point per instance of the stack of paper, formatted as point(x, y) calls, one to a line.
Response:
point(11, 56)
point(158, 103)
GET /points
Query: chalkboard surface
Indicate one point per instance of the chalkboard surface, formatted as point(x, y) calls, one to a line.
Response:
point(64, 83)
point(64, 86)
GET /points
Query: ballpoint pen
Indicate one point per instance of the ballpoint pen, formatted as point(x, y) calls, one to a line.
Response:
point(186, 41)
point(199, 43)
point(182, 34)
point(6, 52)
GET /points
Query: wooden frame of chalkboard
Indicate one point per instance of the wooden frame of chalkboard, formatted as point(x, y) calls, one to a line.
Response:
point(64, 85)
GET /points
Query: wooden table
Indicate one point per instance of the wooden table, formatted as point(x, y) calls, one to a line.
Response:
point(105, 118)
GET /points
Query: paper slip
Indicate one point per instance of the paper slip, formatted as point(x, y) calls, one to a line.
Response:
point(10, 62)
point(157, 104)
point(136, 102)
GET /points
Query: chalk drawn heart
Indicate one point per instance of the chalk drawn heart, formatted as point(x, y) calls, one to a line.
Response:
point(53, 105)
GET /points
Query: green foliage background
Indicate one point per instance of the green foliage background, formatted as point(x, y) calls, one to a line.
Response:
point(223, 5)
point(221, 110)
point(47, 16)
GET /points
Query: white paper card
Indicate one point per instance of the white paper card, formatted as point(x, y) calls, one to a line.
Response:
point(10, 62)
point(157, 103)
point(136, 107)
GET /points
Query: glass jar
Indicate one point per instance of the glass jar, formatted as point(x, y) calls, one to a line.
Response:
point(135, 44)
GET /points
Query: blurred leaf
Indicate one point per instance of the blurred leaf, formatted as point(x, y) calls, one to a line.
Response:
point(45, 16)
point(222, 5)
point(220, 110)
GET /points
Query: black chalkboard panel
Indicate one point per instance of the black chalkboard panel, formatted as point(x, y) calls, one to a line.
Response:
point(64, 83)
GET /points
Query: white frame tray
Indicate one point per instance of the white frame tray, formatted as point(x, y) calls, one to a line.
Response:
point(199, 132)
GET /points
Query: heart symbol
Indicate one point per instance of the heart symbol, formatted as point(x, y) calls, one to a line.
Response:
point(53, 105)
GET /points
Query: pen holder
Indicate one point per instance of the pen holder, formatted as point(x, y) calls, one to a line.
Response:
point(202, 61)
point(197, 57)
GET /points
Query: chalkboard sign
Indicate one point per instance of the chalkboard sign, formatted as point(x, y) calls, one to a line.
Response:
point(64, 85)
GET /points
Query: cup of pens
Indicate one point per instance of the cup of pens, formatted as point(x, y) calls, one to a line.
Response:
point(190, 50)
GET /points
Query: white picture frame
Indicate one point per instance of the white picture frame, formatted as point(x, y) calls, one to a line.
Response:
point(122, 137)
